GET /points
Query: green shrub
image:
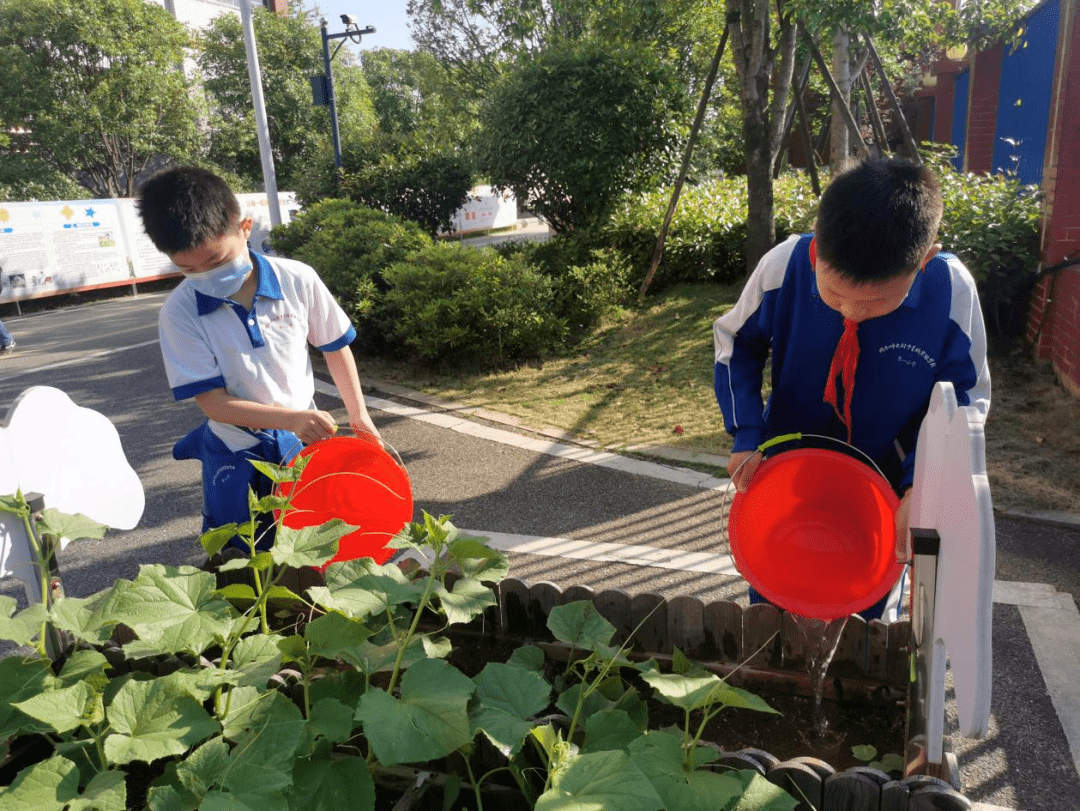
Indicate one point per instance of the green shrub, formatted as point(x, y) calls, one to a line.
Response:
point(992, 223)
point(453, 304)
point(707, 237)
point(425, 187)
point(350, 246)
point(590, 282)
point(577, 124)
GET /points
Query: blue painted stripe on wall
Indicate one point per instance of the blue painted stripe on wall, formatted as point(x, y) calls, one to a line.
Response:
point(1027, 81)
point(959, 115)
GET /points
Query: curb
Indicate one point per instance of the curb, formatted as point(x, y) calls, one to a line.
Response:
point(664, 453)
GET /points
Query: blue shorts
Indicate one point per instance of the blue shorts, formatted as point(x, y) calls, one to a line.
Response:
point(228, 475)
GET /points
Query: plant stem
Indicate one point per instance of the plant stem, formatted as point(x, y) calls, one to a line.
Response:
point(475, 784)
point(403, 645)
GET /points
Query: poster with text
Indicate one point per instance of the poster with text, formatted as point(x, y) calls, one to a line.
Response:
point(56, 247)
point(69, 246)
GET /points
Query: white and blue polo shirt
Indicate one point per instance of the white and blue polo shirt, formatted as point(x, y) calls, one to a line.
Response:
point(936, 334)
point(262, 355)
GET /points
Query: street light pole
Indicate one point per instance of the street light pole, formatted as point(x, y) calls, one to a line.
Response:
point(353, 32)
point(255, 76)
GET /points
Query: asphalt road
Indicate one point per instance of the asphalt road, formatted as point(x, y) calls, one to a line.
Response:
point(105, 356)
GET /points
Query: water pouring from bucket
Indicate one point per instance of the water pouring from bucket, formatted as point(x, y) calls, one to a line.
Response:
point(815, 532)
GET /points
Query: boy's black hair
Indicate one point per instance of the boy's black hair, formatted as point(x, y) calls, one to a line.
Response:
point(183, 207)
point(877, 220)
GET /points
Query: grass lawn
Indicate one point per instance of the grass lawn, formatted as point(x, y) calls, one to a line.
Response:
point(645, 378)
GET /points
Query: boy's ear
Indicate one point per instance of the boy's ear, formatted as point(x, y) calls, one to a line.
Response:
point(935, 249)
point(246, 224)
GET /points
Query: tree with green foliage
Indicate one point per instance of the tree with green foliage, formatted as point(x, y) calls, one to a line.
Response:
point(571, 129)
point(417, 163)
point(290, 52)
point(763, 50)
point(413, 95)
point(26, 178)
point(478, 38)
point(99, 86)
point(763, 39)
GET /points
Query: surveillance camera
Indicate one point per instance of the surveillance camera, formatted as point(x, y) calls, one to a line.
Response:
point(348, 19)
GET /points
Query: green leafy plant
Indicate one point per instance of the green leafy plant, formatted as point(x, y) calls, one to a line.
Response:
point(412, 181)
point(350, 245)
point(449, 303)
point(992, 223)
point(590, 282)
point(175, 692)
point(707, 237)
point(572, 127)
point(889, 762)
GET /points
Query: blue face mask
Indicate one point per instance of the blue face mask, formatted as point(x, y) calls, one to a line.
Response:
point(224, 280)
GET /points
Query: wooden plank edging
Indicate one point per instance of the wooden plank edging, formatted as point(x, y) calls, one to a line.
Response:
point(761, 637)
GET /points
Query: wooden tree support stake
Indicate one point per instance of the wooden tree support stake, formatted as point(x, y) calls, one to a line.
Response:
point(789, 119)
point(703, 104)
point(834, 91)
point(808, 144)
point(875, 118)
point(909, 141)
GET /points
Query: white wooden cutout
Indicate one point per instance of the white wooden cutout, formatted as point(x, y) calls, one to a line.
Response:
point(73, 457)
point(951, 494)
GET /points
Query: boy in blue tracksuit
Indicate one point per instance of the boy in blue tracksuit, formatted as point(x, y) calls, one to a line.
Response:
point(235, 336)
point(861, 318)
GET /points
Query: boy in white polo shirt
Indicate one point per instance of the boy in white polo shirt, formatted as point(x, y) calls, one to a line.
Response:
point(235, 335)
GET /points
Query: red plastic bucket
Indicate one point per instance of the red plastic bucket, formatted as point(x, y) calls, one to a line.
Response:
point(815, 533)
point(354, 479)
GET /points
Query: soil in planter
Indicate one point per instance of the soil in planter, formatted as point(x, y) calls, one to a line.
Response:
point(790, 734)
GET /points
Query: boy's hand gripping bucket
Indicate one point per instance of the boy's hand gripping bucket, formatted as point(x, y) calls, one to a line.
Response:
point(352, 478)
point(815, 532)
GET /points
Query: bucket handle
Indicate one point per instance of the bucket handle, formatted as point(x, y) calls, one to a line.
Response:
point(365, 434)
point(837, 444)
point(798, 440)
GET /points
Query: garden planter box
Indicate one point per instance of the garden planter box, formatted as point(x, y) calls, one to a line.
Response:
point(756, 647)
point(871, 666)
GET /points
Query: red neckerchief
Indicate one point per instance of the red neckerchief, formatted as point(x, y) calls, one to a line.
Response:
point(844, 361)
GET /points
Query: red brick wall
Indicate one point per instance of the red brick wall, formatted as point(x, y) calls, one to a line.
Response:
point(1054, 318)
point(1061, 328)
point(943, 94)
point(1061, 168)
point(943, 107)
point(982, 109)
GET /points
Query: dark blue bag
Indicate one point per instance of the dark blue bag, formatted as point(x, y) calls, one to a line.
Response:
point(228, 475)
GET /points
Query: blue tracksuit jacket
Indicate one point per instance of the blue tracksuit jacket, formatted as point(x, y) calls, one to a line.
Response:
point(936, 334)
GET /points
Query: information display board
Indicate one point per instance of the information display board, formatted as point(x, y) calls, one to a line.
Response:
point(485, 210)
point(70, 246)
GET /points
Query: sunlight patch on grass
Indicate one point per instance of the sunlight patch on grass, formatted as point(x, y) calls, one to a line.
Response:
point(643, 378)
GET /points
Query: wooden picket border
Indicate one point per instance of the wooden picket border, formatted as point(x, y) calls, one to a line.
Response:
point(757, 645)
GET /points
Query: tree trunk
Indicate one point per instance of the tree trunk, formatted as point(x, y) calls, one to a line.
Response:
point(760, 214)
point(840, 141)
point(761, 67)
